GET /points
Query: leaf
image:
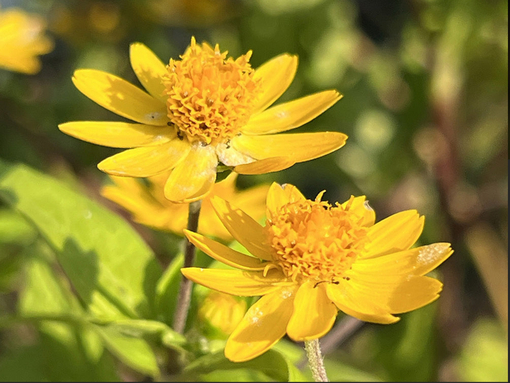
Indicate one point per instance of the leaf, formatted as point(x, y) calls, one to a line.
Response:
point(272, 363)
point(14, 228)
point(110, 267)
point(167, 290)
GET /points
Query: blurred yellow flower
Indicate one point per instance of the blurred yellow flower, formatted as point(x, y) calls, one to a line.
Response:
point(148, 205)
point(312, 259)
point(199, 112)
point(220, 314)
point(22, 40)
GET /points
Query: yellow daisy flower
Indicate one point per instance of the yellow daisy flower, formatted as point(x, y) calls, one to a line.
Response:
point(200, 111)
point(148, 205)
point(312, 259)
point(22, 40)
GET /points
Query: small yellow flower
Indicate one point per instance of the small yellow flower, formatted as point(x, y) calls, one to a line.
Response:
point(312, 259)
point(148, 205)
point(220, 314)
point(200, 111)
point(22, 40)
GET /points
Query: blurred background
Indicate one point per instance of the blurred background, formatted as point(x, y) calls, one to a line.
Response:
point(425, 85)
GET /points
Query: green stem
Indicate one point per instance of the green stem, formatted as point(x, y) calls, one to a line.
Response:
point(313, 353)
point(184, 297)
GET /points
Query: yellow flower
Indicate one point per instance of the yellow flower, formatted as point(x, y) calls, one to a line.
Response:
point(200, 111)
point(312, 259)
point(22, 40)
point(148, 205)
point(220, 314)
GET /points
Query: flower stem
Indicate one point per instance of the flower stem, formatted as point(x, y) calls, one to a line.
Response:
point(184, 297)
point(313, 353)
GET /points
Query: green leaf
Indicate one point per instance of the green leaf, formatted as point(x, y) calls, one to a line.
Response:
point(14, 228)
point(167, 290)
point(272, 363)
point(110, 267)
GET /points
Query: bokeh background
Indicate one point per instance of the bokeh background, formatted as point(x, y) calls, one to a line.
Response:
point(425, 85)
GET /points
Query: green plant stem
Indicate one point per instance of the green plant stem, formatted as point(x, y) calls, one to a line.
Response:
point(184, 297)
point(313, 353)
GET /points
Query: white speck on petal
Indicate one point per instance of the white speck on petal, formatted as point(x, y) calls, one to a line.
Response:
point(254, 315)
point(429, 254)
point(286, 294)
point(282, 114)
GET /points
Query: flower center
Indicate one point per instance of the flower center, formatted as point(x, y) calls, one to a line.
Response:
point(210, 96)
point(314, 240)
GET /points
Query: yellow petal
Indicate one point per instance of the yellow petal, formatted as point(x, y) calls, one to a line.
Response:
point(120, 97)
point(267, 165)
point(193, 178)
point(395, 233)
point(314, 313)
point(360, 206)
point(243, 228)
point(149, 69)
point(118, 134)
point(236, 282)
point(347, 299)
point(146, 161)
point(291, 114)
point(417, 261)
point(275, 76)
point(224, 253)
point(299, 147)
point(279, 195)
point(414, 293)
point(263, 325)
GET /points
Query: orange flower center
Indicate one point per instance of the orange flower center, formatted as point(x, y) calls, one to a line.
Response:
point(314, 240)
point(210, 96)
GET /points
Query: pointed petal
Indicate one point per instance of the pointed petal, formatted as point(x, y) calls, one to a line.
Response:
point(224, 253)
point(263, 325)
point(267, 165)
point(118, 134)
point(146, 161)
point(275, 76)
point(291, 114)
point(414, 293)
point(416, 261)
point(360, 206)
point(120, 97)
point(149, 69)
point(236, 282)
point(243, 228)
point(314, 313)
point(279, 195)
point(299, 147)
point(193, 178)
point(347, 299)
point(395, 233)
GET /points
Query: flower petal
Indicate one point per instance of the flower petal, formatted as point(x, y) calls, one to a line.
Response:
point(395, 233)
point(193, 178)
point(275, 76)
point(146, 161)
point(291, 114)
point(267, 165)
point(149, 69)
point(243, 228)
point(299, 147)
point(118, 134)
point(357, 305)
point(314, 313)
point(263, 325)
point(360, 206)
point(237, 282)
point(417, 261)
point(279, 195)
point(120, 97)
point(224, 253)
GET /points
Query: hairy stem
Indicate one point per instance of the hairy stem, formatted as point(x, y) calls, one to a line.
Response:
point(184, 297)
point(313, 353)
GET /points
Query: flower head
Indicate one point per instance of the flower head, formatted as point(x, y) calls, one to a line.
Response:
point(200, 111)
point(148, 206)
point(22, 40)
point(312, 259)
